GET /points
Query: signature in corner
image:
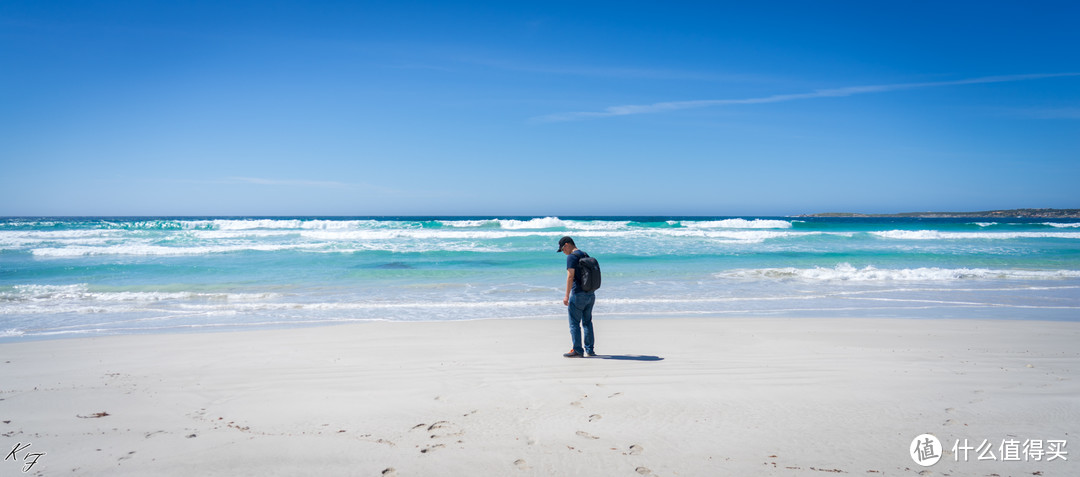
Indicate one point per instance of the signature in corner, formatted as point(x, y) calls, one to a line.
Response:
point(29, 458)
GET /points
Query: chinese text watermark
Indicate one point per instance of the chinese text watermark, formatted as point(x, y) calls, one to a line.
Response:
point(926, 450)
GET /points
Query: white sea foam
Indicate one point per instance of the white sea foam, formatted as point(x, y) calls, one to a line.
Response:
point(43, 292)
point(158, 250)
point(355, 306)
point(226, 235)
point(433, 236)
point(18, 224)
point(544, 223)
point(751, 236)
point(287, 224)
point(468, 223)
point(32, 236)
point(488, 234)
point(846, 272)
point(62, 234)
point(198, 304)
point(417, 234)
point(738, 224)
point(31, 292)
point(737, 236)
point(1072, 225)
point(938, 235)
point(15, 240)
point(78, 298)
point(144, 225)
point(241, 233)
point(293, 224)
point(223, 224)
point(613, 225)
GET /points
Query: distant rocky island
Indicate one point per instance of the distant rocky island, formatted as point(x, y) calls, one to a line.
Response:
point(1011, 213)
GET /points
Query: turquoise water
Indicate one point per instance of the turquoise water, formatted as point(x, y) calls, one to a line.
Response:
point(63, 277)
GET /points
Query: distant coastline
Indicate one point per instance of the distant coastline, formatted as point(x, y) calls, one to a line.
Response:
point(1010, 213)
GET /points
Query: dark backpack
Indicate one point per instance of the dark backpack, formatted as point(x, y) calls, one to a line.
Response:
point(589, 271)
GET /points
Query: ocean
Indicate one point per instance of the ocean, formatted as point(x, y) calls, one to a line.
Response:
point(94, 276)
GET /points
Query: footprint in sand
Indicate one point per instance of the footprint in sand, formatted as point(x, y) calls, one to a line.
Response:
point(586, 435)
point(521, 465)
point(389, 472)
point(613, 395)
point(636, 449)
point(643, 471)
point(430, 449)
point(594, 417)
point(445, 429)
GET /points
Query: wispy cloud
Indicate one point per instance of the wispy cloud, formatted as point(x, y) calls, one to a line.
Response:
point(292, 182)
point(633, 109)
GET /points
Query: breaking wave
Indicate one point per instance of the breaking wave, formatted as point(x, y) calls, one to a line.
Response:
point(738, 224)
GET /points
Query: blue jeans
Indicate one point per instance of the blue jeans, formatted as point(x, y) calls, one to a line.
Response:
point(581, 305)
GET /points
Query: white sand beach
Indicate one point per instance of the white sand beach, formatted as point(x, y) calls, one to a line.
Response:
point(667, 396)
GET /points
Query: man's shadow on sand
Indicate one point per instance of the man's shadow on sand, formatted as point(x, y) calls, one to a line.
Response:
point(628, 357)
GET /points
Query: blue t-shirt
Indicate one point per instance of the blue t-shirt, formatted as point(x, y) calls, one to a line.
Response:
point(572, 264)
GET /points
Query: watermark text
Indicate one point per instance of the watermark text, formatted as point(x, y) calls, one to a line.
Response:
point(28, 460)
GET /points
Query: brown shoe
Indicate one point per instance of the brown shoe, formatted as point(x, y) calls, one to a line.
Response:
point(572, 354)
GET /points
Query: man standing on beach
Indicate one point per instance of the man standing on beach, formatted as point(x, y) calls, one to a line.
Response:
point(578, 302)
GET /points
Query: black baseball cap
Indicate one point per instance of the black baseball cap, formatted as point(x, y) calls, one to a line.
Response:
point(564, 241)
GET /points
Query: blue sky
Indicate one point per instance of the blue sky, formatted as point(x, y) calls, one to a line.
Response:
point(536, 108)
